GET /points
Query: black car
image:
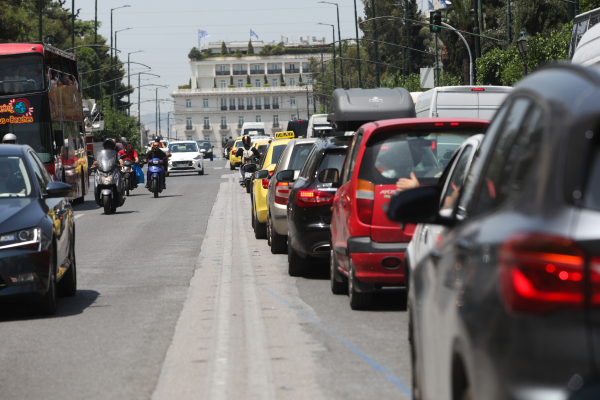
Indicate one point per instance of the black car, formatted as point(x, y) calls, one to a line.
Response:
point(206, 149)
point(299, 127)
point(310, 200)
point(507, 303)
point(37, 232)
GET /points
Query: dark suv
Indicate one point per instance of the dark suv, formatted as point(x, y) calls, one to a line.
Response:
point(310, 200)
point(507, 304)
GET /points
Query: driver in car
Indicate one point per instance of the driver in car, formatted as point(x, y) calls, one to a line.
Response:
point(8, 185)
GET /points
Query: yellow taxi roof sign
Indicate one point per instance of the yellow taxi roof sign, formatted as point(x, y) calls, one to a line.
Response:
point(285, 135)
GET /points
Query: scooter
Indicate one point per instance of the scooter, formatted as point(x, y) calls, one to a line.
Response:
point(109, 189)
point(156, 177)
point(128, 176)
point(248, 176)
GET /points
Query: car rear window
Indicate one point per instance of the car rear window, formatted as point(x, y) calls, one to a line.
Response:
point(394, 155)
point(277, 151)
point(591, 198)
point(261, 147)
point(333, 159)
point(298, 157)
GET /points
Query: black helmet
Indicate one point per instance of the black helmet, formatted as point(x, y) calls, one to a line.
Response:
point(246, 140)
point(109, 144)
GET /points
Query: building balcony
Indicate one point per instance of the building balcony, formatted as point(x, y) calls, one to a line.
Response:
point(239, 126)
point(223, 108)
point(249, 107)
point(206, 128)
point(241, 90)
point(275, 106)
point(189, 128)
point(275, 125)
point(274, 71)
point(258, 107)
point(243, 72)
point(267, 106)
point(223, 72)
point(292, 70)
point(257, 71)
point(224, 127)
point(232, 107)
point(306, 70)
point(240, 107)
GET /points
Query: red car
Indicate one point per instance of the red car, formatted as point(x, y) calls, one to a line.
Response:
point(367, 249)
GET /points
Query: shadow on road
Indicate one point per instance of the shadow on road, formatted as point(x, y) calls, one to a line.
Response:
point(86, 206)
point(67, 307)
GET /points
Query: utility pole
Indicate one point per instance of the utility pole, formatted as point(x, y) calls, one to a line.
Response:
point(95, 43)
point(340, 47)
point(403, 69)
point(73, 23)
point(307, 105)
point(139, 101)
point(159, 127)
point(375, 37)
point(156, 113)
point(407, 23)
point(437, 66)
point(357, 45)
point(508, 18)
point(477, 32)
point(40, 19)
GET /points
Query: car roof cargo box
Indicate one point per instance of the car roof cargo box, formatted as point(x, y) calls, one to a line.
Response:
point(351, 108)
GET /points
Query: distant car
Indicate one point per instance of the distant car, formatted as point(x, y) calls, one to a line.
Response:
point(318, 126)
point(37, 232)
point(479, 102)
point(253, 129)
point(206, 148)
point(506, 304)
point(309, 203)
point(235, 161)
point(185, 157)
point(299, 127)
point(293, 158)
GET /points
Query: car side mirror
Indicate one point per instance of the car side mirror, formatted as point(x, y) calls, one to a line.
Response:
point(249, 168)
point(330, 175)
point(58, 189)
point(59, 138)
point(419, 205)
point(262, 174)
point(286, 175)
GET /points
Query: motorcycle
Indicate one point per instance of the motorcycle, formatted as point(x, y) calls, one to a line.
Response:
point(156, 176)
point(128, 176)
point(247, 181)
point(109, 190)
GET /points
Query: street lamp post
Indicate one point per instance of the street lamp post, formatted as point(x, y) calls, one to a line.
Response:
point(156, 109)
point(73, 23)
point(522, 46)
point(115, 81)
point(357, 45)
point(333, 43)
point(128, 80)
point(40, 19)
point(111, 37)
point(339, 43)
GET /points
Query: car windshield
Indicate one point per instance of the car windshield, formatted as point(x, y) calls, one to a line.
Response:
point(261, 147)
point(237, 145)
point(204, 145)
point(21, 73)
point(254, 132)
point(394, 155)
point(299, 154)
point(183, 148)
point(14, 179)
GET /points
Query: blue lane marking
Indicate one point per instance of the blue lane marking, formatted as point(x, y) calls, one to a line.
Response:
point(211, 259)
point(374, 364)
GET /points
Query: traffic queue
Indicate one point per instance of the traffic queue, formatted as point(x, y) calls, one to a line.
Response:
point(488, 228)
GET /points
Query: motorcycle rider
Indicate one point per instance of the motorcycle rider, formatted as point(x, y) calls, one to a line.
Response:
point(109, 144)
point(9, 138)
point(129, 154)
point(156, 152)
point(247, 153)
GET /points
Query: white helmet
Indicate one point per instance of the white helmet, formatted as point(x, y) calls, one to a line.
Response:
point(9, 138)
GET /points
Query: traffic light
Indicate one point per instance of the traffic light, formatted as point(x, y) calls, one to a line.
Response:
point(435, 21)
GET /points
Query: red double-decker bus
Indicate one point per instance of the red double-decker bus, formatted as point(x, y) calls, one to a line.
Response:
point(40, 102)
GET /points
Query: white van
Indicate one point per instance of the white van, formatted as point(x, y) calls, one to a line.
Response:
point(588, 49)
point(318, 126)
point(253, 128)
point(461, 101)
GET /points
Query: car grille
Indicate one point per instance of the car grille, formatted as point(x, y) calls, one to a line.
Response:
point(182, 163)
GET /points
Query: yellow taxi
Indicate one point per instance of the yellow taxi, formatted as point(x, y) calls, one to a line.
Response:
point(268, 162)
point(233, 160)
point(261, 146)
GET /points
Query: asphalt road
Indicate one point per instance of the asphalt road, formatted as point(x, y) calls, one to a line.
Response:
point(177, 300)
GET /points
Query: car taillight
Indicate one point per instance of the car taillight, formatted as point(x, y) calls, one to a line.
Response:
point(313, 198)
point(595, 280)
point(365, 197)
point(265, 182)
point(541, 273)
point(282, 192)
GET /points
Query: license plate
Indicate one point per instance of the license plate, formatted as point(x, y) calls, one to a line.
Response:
point(248, 175)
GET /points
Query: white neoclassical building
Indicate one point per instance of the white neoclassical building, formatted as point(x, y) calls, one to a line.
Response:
point(228, 91)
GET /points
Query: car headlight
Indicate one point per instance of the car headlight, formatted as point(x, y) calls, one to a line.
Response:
point(198, 157)
point(30, 238)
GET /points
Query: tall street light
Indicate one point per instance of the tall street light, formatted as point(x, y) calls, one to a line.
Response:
point(522, 46)
point(128, 81)
point(115, 81)
point(40, 19)
point(357, 45)
point(156, 109)
point(111, 36)
point(333, 43)
point(340, 42)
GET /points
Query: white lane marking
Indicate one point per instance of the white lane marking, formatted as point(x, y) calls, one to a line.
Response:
point(78, 215)
point(218, 168)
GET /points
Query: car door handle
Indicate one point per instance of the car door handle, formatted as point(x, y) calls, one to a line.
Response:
point(425, 234)
point(464, 244)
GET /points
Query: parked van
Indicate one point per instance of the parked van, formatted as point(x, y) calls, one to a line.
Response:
point(299, 127)
point(588, 50)
point(318, 126)
point(253, 128)
point(461, 101)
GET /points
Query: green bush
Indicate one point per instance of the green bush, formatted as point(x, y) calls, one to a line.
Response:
point(266, 85)
point(282, 84)
point(230, 86)
point(248, 85)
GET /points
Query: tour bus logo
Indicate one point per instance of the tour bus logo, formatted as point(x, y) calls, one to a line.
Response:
point(375, 100)
point(20, 107)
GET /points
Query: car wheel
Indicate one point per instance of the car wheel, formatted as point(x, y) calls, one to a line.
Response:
point(358, 301)
point(48, 304)
point(269, 229)
point(260, 229)
point(338, 286)
point(296, 264)
point(252, 213)
point(201, 172)
point(231, 167)
point(278, 242)
point(68, 284)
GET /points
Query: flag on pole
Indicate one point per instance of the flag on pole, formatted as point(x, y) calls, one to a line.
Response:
point(252, 33)
point(202, 34)
point(430, 5)
point(446, 3)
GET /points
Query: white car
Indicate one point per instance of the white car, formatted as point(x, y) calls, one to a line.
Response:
point(185, 157)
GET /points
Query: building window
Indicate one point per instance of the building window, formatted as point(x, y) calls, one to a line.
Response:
point(257, 67)
point(275, 83)
point(267, 101)
point(232, 103)
point(240, 83)
point(241, 103)
point(293, 118)
point(257, 83)
point(309, 81)
point(222, 68)
point(292, 81)
point(205, 103)
point(240, 122)
point(292, 101)
point(206, 123)
point(275, 121)
point(310, 101)
point(240, 67)
point(188, 124)
point(223, 104)
point(223, 84)
point(273, 66)
point(258, 101)
point(276, 101)
point(188, 103)
point(292, 66)
point(223, 122)
point(249, 101)
point(258, 118)
point(189, 137)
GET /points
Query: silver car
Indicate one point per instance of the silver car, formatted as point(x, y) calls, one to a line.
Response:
point(293, 157)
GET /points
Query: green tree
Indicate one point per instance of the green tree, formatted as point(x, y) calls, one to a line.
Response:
point(195, 54)
point(117, 124)
point(223, 48)
point(250, 47)
point(238, 53)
